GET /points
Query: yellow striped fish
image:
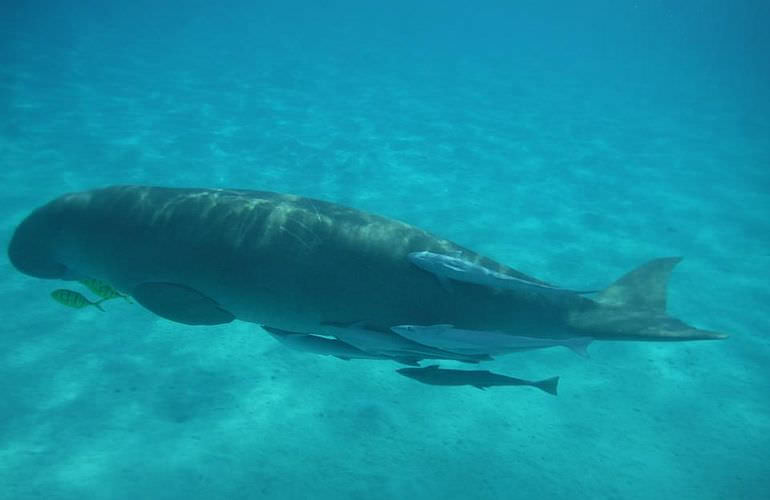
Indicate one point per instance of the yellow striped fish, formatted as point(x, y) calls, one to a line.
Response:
point(103, 290)
point(71, 298)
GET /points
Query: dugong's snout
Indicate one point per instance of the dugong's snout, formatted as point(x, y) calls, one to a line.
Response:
point(31, 250)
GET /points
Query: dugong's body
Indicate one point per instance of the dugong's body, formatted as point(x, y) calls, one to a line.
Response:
point(205, 256)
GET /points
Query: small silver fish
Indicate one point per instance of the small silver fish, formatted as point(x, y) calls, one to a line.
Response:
point(388, 343)
point(481, 379)
point(318, 344)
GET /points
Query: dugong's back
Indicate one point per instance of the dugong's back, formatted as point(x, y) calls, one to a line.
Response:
point(274, 259)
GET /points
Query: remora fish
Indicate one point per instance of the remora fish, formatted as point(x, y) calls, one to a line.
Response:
point(461, 341)
point(327, 347)
point(433, 375)
point(208, 256)
point(71, 298)
point(388, 343)
point(446, 267)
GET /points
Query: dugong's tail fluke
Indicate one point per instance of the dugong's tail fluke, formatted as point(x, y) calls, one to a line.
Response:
point(634, 308)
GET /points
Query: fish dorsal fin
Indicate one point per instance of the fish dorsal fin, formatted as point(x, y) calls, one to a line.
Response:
point(180, 303)
point(644, 288)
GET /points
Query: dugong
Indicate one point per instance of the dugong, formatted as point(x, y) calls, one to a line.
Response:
point(209, 256)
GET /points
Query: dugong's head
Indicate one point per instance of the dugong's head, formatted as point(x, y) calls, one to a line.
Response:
point(36, 245)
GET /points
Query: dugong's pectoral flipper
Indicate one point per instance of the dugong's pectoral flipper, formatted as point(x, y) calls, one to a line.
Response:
point(181, 304)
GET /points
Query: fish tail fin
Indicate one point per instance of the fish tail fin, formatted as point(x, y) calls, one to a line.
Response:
point(634, 308)
point(549, 385)
point(98, 305)
point(579, 345)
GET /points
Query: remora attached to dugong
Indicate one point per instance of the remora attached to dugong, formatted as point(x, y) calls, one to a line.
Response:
point(457, 268)
point(317, 344)
point(208, 256)
point(483, 341)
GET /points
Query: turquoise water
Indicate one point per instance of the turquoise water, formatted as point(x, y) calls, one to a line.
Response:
point(572, 143)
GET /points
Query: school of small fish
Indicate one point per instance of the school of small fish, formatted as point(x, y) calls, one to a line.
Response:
point(77, 300)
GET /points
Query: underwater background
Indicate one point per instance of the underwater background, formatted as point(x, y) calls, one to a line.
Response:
point(570, 140)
